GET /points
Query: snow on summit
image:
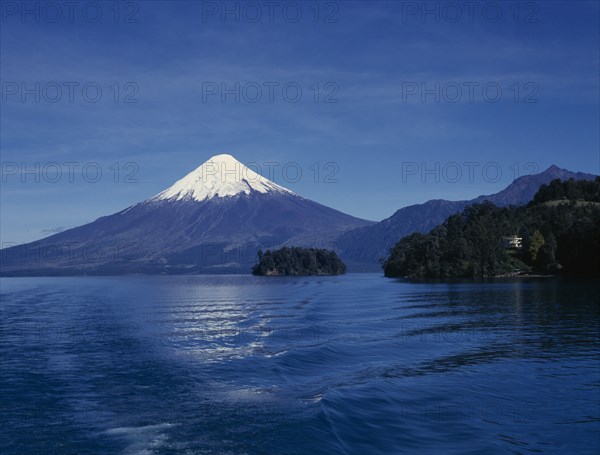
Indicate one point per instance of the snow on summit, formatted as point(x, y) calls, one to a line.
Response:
point(219, 176)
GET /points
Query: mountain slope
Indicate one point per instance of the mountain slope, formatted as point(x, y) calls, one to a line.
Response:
point(362, 248)
point(522, 190)
point(214, 219)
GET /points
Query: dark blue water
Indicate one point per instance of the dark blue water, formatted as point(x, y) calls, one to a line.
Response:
point(356, 364)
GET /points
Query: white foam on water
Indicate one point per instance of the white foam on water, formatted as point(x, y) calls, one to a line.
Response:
point(144, 440)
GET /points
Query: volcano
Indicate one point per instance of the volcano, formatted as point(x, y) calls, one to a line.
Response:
point(213, 220)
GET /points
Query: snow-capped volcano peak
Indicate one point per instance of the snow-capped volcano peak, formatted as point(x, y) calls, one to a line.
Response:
point(220, 176)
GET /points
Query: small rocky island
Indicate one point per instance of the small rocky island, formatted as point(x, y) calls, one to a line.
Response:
point(295, 261)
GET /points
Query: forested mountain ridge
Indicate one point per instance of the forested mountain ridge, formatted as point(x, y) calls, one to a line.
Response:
point(362, 248)
point(561, 237)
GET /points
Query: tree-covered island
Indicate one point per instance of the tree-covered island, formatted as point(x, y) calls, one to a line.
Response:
point(558, 232)
point(295, 261)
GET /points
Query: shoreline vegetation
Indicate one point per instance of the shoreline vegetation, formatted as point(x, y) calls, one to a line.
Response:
point(556, 234)
point(525, 275)
point(296, 261)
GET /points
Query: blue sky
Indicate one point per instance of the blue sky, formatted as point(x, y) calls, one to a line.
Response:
point(409, 87)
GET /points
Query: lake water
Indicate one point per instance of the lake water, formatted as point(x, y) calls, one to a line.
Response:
point(355, 364)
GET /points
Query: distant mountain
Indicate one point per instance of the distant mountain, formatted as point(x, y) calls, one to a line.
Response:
point(362, 248)
point(213, 220)
point(522, 190)
point(216, 218)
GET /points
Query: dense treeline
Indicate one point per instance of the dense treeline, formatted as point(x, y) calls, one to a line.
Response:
point(556, 238)
point(576, 190)
point(298, 261)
